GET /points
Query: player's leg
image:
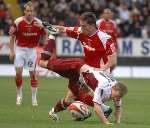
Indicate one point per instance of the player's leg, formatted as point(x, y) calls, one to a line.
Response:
point(18, 81)
point(33, 85)
point(19, 64)
point(61, 105)
point(31, 65)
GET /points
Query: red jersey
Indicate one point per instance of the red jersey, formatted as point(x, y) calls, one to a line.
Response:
point(26, 34)
point(96, 47)
point(108, 26)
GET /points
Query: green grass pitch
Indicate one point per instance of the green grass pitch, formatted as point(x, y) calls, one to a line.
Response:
point(136, 106)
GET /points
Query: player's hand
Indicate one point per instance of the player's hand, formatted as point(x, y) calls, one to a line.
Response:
point(11, 55)
point(109, 123)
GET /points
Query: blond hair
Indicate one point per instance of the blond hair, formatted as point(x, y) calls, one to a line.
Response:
point(30, 4)
point(121, 88)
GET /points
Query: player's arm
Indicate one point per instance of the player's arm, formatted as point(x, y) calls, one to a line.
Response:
point(100, 114)
point(118, 111)
point(73, 32)
point(12, 32)
point(11, 47)
point(112, 55)
point(97, 105)
point(112, 61)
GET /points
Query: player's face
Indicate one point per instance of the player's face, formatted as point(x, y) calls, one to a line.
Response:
point(107, 15)
point(115, 94)
point(85, 27)
point(29, 12)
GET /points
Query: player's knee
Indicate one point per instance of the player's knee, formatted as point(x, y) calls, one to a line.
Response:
point(18, 75)
point(43, 63)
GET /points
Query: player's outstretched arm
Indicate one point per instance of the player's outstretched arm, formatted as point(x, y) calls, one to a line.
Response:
point(118, 111)
point(54, 28)
point(100, 114)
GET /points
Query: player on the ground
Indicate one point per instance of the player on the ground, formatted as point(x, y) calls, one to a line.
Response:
point(107, 88)
point(99, 47)
point(96, 80)
point(24, 35)
point(69, 68)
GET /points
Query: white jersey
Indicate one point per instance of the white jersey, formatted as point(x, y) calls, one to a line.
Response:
point(102, 92)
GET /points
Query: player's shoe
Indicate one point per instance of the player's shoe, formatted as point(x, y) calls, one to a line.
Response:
point(53, 115)
point(34, 102)
point(108, 112)
point(18, 100)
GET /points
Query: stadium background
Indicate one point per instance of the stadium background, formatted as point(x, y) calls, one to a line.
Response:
point(133, 20)
point(131, 16)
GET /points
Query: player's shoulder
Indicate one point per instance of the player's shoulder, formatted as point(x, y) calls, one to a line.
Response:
point(113, 22)
point(99, 21)
point(38, 20)
point(18, 20)
point(103, 36)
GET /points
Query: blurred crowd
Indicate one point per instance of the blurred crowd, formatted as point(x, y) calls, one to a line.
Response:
point(131, 16)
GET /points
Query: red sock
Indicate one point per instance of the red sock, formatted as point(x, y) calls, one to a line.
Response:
point(18, 82)
point(61, 105)
point(33, 83)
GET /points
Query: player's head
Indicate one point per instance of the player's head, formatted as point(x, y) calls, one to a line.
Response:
point(119, 90)
point(88, 22)
point(29, 10)
point(107, 14)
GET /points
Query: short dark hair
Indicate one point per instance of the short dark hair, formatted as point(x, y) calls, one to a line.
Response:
point(88, 17)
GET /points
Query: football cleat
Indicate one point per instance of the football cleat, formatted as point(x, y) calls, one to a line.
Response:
point(53, 115)
point(18, 100)
point(108, 112)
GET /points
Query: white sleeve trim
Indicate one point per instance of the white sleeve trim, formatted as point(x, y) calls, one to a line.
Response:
point(103, 37)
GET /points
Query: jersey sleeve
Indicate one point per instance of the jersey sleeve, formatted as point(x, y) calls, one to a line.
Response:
point(73, 32)
point(13, 30)
point(98, 95)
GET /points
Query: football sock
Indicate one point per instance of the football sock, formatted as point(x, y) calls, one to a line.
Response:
point(19, 86)
point(60, 106)
point(34, 93)
point(33, 84)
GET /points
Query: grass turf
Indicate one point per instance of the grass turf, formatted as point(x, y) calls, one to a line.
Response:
point(136, 106)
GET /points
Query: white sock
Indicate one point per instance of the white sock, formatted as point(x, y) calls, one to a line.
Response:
point(34, 93)
point(105, 107)
point(19, 92)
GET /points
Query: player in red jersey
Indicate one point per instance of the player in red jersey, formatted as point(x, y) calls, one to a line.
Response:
point(68, 68)
point(99, 47)
point(25, 34)
point(106, 24)
point(96, 80)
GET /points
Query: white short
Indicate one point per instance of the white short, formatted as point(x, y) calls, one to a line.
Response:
point(25, 57)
